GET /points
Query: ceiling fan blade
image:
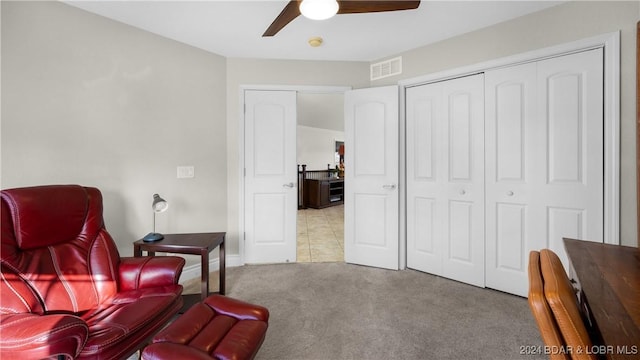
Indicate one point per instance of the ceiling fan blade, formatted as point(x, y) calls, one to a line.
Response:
point(360, 6)
point(290, 12)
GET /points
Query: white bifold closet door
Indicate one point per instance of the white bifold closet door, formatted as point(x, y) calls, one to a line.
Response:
point(517, 170)
point(445, 179)
point(545, 162)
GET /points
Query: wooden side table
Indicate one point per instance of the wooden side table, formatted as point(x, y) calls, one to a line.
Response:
point(608, 277)
point(195, 244)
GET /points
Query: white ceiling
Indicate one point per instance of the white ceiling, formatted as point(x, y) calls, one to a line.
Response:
point(234, 28)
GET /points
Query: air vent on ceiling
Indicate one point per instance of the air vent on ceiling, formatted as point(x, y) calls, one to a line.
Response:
point(386, 68)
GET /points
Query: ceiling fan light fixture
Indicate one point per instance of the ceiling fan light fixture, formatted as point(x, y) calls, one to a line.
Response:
point(319, 9)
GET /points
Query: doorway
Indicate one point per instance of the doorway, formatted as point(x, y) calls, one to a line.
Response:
point(371, 197)
point(268, 144)
point(320, 221)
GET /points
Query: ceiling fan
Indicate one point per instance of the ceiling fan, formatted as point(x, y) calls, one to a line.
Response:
point(292, 10)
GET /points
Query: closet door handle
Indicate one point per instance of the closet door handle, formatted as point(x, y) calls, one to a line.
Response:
point(289, 185)
point(509, 193)
point(389, 186)
point(462, 192)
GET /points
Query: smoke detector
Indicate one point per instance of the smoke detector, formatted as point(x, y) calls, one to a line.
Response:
point(315, 41)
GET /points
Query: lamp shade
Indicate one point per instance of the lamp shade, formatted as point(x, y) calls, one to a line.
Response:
point(319, 9)
point(159, 204)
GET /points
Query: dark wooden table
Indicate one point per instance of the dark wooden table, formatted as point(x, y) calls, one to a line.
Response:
point(195, 244)
point(609, 280)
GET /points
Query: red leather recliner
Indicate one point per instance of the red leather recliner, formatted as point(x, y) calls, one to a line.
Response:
point(65, 290)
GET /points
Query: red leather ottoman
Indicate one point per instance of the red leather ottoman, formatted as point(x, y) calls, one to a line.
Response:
point(219, 327)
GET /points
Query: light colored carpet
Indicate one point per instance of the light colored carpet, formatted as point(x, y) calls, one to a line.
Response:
point(342, 311)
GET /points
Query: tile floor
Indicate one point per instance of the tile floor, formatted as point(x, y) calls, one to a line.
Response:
point(321, 234)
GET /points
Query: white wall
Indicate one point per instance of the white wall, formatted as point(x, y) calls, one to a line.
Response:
point(564, 23)
point(316, 147)
point(90, 101)
point(320, 124)
point(324, 111)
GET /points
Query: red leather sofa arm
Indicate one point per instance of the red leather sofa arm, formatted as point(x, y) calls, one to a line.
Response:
point(237, 308)
point(32, 336)
point(150, 271)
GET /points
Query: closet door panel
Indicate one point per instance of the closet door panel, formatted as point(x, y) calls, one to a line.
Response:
point(445, 179)
point(463, 120)
point(423, 134)
point(564, 97)
point(460, 232)
point(510, 236)
point(508, 101)
point(424, 226)
point(425, 179)
point(570, 105)
point(460, 126)
point(511, 133)
point(544, 162)
point(564, 222)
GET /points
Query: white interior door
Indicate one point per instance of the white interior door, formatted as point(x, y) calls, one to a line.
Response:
point(371, 177)
point(270, 176)
point(445, 179)
point(545, 165)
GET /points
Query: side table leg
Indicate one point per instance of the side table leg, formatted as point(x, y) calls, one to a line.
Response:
point(221, 289)
point(204, 278)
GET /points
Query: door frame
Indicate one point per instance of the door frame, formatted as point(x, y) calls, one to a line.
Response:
point(610, 43)
point(241, 143)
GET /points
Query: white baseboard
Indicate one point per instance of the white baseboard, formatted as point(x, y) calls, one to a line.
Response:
point(193, 271)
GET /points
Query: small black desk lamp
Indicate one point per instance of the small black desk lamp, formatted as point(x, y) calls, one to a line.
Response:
point(159, 205)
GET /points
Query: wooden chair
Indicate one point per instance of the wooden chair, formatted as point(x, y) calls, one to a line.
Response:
point(545, 319)
point(564, 304)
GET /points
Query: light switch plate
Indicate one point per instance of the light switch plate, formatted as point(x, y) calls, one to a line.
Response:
point(186, 172)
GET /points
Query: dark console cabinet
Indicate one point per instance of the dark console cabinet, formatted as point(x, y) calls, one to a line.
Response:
point(320, 193)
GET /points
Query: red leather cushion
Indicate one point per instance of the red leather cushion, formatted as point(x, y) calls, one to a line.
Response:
point(220, 327)
point(30, 336)
point(46, 215)
point(68, 261)
point(125, 315)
